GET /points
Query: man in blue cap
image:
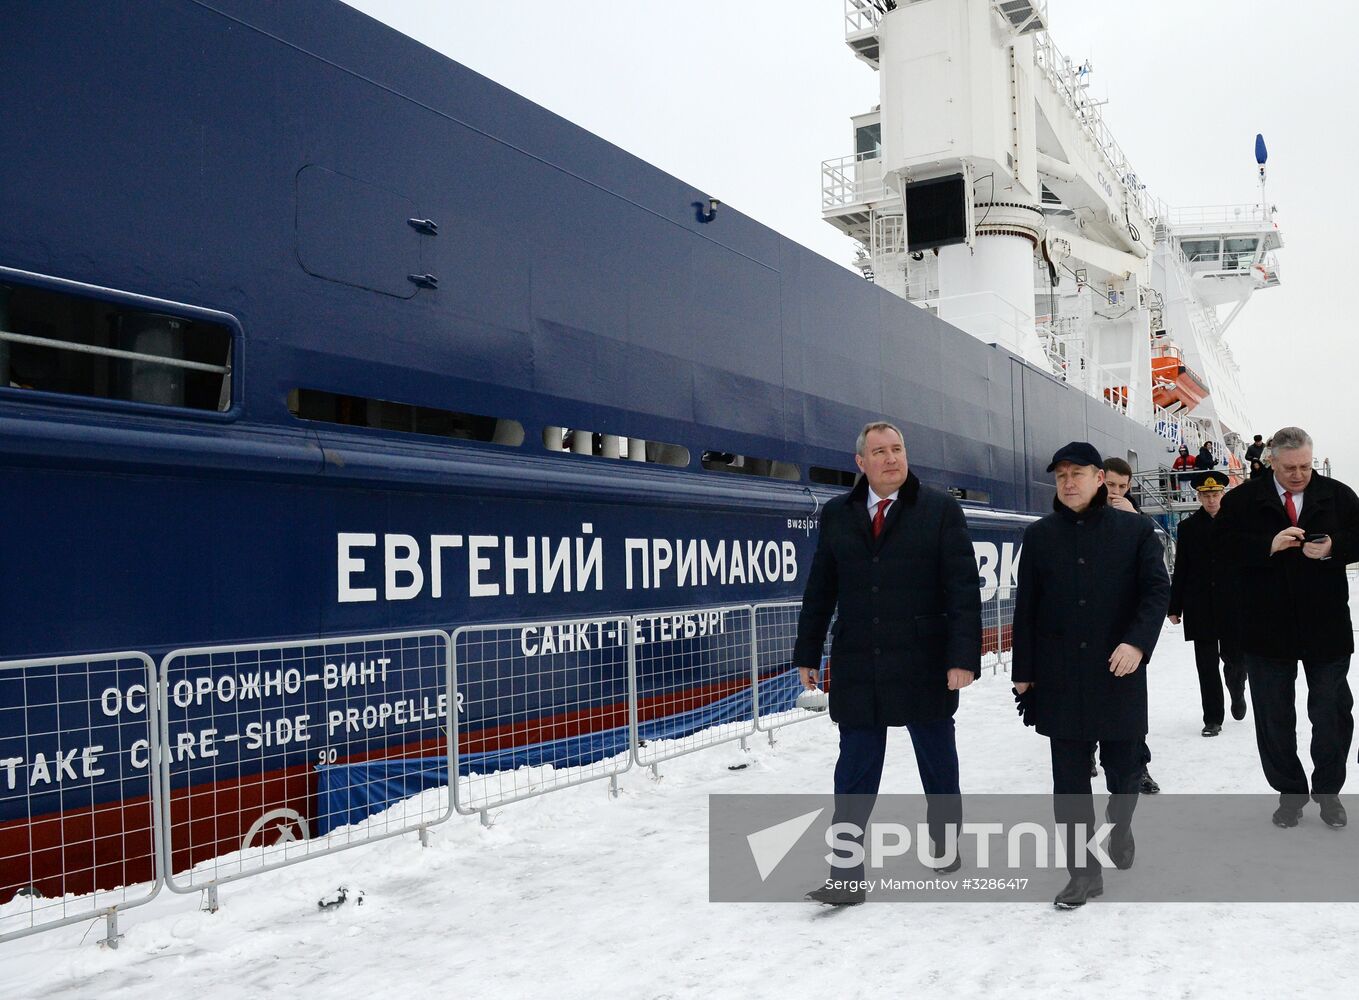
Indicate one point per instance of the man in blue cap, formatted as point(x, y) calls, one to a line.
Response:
point(1092, 593)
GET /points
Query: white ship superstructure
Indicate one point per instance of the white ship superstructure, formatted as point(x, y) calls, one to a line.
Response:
point(987, 188)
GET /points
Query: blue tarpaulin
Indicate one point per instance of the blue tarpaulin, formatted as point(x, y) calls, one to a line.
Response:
point(350, 793)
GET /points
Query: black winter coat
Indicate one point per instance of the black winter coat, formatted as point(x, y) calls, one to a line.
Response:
point(1297, 608)
point(1202, 589)
point(1205, 460)
point(909, 601)
point(1088, 582)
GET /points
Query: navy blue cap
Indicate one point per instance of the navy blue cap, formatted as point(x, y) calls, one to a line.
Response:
point(1079, 452)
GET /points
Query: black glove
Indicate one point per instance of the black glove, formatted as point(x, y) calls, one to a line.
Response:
point(1024, 706)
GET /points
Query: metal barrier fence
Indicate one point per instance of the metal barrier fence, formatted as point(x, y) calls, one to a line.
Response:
point(270, 754)
point(775, 673)
point(998, 616)
point(78, 799)
point(543, 705)
point(253, 735)
point(692, 685)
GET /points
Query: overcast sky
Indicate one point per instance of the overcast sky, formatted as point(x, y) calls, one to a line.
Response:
point(744, 100)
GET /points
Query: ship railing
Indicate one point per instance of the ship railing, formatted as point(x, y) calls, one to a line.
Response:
point(1114, 389)
point(165, 361)
point(852, 180)
point(887, 235)
point(1070, 82)
point(1204, 322)
point(1063, 340)
point(661, 684)
point(1209, 216)
point(988, 316)
point(1167, 424)
point(863, 16)
point(1165, 497)
point(1231, 260)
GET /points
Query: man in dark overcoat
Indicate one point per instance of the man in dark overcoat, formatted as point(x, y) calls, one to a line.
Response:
point(1092, 593)
point(895, 558)
point(1256, 449)
point(1201, 597)
point(1118, 481)
point(1294, 597)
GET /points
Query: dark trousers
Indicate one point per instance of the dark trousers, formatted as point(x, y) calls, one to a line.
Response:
point(1330, 707)
point(1072, 802)
point(1206, 655)
point(1143, 755)
point(858, 772)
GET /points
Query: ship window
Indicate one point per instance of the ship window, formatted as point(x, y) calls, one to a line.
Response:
point(358, 411)
point(574, 441)
point(868, 140)
point(56, 341)
point(726, 461)
point(1238, 253)
point(831, 477)
point(1200, 249)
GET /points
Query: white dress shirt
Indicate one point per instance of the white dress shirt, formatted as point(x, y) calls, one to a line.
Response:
point(1297, 498)
point(873, 499)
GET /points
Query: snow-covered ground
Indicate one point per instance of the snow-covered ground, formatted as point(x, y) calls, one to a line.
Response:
point(577, 895)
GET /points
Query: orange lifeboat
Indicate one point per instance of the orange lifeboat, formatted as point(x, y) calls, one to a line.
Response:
point(1173, 383)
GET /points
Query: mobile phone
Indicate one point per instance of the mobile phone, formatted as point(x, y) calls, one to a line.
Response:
point(1315, 536)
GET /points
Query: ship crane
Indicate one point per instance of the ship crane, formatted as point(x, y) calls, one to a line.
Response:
point(987, 188)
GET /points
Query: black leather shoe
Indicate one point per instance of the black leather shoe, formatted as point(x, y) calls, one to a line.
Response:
point(1122, 847)
point(1332, 812)
point(1078, 890)
point(1148, 785)
point(837, 896)
point(1211, 731)
point(1239, 705)
point(1287, 815)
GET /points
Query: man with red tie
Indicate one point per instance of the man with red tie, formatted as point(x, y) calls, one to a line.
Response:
point(1289, 537)
point(896, 558)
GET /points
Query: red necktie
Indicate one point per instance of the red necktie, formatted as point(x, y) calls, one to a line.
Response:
point(1291, 508)
point(881, 514)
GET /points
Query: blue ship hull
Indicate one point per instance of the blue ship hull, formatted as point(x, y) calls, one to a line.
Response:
point(253, 166)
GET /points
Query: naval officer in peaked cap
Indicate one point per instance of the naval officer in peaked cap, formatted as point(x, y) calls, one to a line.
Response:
point(1201, 596)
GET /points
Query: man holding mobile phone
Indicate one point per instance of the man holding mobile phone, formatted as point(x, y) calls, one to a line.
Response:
point(1289, 536)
